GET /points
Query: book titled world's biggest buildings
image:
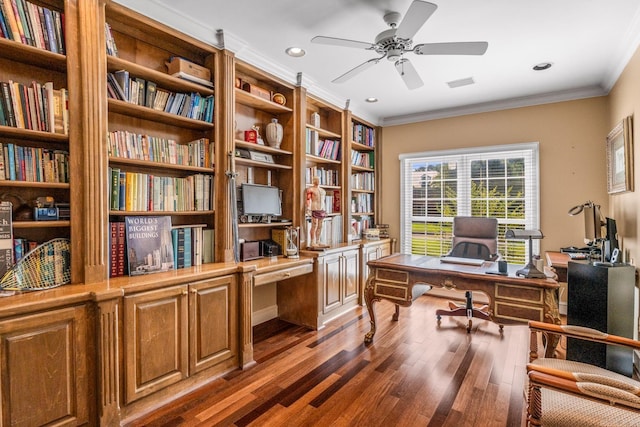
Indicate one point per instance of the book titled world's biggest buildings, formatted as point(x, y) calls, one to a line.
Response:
point(149, 246)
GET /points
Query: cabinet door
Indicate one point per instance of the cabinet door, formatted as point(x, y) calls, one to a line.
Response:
point(212, 322)
point(350, 276)
point(44, 369)
point(332, 282)
point(155, 340)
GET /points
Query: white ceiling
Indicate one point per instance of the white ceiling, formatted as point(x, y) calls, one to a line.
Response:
point(588, 42)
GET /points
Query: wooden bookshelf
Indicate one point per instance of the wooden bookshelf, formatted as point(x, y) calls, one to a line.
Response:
point(252, 110)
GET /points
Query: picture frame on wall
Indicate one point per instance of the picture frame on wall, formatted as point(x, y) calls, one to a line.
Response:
point(620, 157)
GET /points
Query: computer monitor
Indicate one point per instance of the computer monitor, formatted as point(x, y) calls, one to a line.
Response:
point(592, 222)
point(261, 200)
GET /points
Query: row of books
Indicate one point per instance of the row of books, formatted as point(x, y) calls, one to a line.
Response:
point(331, 233)
point(364, 159)
point(37, 106)
point(328, 177)
point(363, 134)
point(112, 49)
point(33, 25)
point(332, 202)
point(130, 145)
point(362, 203)
point(359, 225)
point(33, 164)
point(325, 148)
point(21, 247)
point(363, 181)
point(143, 245)
point(146, 93)
point(131, 191)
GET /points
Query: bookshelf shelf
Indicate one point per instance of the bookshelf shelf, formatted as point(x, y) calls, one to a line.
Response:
point(249, 162)
point(161, 213)
point(316, 159)
point(32, 55)
point(32, 184)
point(355, 190)
point(40, 224)
point(262, 148)
point(32, 135)
point(324, 133)
point(163, 80)
point(126, 108)
point(158, 165)
point(264, 225)
point(245, 98)
point(361, 147)
point(361, 169)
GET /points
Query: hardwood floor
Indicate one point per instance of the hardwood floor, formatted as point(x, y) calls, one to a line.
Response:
point(413, 374)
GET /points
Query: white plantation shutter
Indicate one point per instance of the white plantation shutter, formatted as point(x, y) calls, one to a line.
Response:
point(499, 182)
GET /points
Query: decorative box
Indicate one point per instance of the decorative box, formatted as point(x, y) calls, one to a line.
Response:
point(181, 65)
point(257, 91)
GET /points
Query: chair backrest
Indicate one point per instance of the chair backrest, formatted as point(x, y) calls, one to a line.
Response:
point(475, 237)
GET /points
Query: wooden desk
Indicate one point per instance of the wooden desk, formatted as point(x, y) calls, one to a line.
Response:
point(401, 278)
point(559, 262)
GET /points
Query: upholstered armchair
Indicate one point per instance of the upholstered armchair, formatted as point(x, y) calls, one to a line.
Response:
point(569, 393)
point(477, 238)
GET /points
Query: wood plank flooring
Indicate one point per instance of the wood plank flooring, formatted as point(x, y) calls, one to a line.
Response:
point(413, 374)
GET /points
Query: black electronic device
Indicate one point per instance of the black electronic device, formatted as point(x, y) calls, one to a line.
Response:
point(243, 153)
point(45, 214)
point(269, 248)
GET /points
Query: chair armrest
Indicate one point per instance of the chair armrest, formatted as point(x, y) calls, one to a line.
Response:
point(583, 333)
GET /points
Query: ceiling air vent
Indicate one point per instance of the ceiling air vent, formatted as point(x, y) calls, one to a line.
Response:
point(462, 82)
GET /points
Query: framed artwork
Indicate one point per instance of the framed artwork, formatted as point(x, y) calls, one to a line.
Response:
point(620, 157)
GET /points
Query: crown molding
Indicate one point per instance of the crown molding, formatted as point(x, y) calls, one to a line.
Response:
point(628, 48)
point(505, 104)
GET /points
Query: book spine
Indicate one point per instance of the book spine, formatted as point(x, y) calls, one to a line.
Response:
point(113, 249)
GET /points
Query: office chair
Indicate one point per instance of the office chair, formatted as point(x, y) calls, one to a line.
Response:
point(569, 393)
point(477, 238)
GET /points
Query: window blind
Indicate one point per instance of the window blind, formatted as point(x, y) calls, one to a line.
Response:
point(500, 182)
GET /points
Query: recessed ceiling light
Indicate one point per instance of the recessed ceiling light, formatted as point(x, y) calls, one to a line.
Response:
point(371, 99)
point(296, 52)
point(542, 66)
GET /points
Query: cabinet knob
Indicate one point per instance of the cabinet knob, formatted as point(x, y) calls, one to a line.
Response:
point(194, 291)
point(184, 292)
point(287, 274)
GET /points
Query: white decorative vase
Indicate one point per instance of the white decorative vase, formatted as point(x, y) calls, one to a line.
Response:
point(274, 133)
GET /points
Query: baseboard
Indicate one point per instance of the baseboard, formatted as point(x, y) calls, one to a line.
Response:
point(264, 315)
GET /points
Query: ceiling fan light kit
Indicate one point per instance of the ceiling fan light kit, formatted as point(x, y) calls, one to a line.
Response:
point(398, 40)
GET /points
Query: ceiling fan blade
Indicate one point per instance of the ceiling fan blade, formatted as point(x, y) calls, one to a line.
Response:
point(453, 48)
point(408, 73)
point(334, 41)
point(360, 68)
point(416, 16)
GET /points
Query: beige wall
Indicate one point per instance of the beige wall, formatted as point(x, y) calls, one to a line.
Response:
point(624, 100)
point(572, 157)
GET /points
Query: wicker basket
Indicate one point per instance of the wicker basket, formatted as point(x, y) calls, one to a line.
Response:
point(46, 266)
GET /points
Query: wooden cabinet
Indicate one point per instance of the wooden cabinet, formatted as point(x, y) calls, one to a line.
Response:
point(263, 163)
point(213, 322)
point(177, 332)
point(45, 369)
point(155, 340)
point(161, 153)
point(339, 281)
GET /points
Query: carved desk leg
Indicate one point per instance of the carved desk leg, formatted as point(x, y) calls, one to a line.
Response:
point(552, 315)
point(370, 299)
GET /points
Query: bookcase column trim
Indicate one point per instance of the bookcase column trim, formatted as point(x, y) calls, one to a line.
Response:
point(89, 198)
point(225, 102)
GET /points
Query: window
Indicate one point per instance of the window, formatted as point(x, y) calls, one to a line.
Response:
point(499, 182)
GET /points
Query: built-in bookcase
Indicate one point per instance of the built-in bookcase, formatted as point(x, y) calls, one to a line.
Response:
point(324, 156)
point(256, 93)
point(37, 147)
point(161, 156)
point(362, 176)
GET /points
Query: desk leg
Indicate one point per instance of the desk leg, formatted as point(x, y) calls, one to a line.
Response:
point(369, 300)
point(552, 315)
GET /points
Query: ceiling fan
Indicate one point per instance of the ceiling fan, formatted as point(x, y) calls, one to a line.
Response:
point(396, 41)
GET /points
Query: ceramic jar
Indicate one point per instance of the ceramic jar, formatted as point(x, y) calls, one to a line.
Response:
point(274, 133)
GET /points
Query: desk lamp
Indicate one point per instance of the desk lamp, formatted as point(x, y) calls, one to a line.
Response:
point(529, 271)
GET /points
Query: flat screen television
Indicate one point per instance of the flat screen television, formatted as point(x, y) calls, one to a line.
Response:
point(261, 200)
